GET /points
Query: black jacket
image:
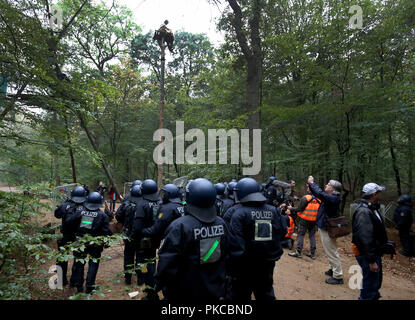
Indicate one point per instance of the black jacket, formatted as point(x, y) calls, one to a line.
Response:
point(94, 223)
point(227, 216)
point(191, 263)
point(258, 229)
point(369, 233)
point(166, 214)
point(125, 214)
point(403, 216)
point(329, 207)
point(144, 217)
point(272, 195)
point(62, 212)
point(227, 203)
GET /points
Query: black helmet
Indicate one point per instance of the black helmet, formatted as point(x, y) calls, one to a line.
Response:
point(186, 189)
point(201, 200)
point(135, 192)
point(271, 179)
point(171, 193)
point(230, 188)
point(248, 190)
point(78, 194)
point(405, 199)
point(220, 189)
point(263, 186)
point(136, 182)
point(93, 201)
point(149, 190)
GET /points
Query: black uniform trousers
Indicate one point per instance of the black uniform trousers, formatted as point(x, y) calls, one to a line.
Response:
point(255, 277)
point(77, 278)
point(66, 239)
point(406, 240)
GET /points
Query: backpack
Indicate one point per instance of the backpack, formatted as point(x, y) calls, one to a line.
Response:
point(129, 216)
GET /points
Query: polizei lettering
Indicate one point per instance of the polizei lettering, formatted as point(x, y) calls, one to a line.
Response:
point(92, 214)
point(261, 215)
point(208, 232)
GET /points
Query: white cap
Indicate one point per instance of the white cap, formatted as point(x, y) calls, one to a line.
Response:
point(371, 188)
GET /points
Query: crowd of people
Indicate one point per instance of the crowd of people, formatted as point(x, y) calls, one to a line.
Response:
point(209, 237)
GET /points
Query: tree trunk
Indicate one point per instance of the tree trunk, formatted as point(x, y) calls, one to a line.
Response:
point(394, 162)
point(55, 156)
point(103, 163)
point(161, 120)
point(411, 155)
point(253, 56)
point(68, 136)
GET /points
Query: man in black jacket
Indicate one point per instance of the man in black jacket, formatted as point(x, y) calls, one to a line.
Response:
point(78, 197)
point(170, 210)
point(90, 220)
point(329, 208)
point(403, 221)
point(258, 230)
point(125, 216)
point(145, 214)
point(370, 238)
point(192, 257)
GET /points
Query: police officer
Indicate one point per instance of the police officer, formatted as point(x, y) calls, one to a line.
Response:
point(78, 196)
point(230, 198)
point(263, 188)
point(403, 221)
point(259, 230)
point(271, 193)
point(127, 197)
point(125, 216)
point(145, 216)
point(220, 197)
point(170, 210)
point(91, 221)
point(191, 263)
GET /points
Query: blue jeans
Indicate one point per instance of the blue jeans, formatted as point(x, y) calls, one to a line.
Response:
point(372, 281)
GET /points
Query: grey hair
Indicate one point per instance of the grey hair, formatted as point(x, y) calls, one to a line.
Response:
point(337, 186)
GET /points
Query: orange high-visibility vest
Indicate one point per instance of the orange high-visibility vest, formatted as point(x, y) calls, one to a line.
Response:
point(310, 212)
point(290, 228)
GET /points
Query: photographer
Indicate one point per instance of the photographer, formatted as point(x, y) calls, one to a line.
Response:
point(370, 240)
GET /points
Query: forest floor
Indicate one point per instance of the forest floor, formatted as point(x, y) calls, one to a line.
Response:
point(294, 279)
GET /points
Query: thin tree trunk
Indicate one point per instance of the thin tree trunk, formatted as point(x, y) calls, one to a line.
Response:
point(55, 156)
point(411, 156)
point(161, 120)
point(68, 136)
point(394, 162)
point(103, 163)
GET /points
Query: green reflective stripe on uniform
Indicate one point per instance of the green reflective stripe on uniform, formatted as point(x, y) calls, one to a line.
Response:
point(211, 250)
point(310, 210)
point(87, 222)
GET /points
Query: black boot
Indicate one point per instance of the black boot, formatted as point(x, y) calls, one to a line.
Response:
point(334, 281)
point(329, 273)
point(151, 295)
